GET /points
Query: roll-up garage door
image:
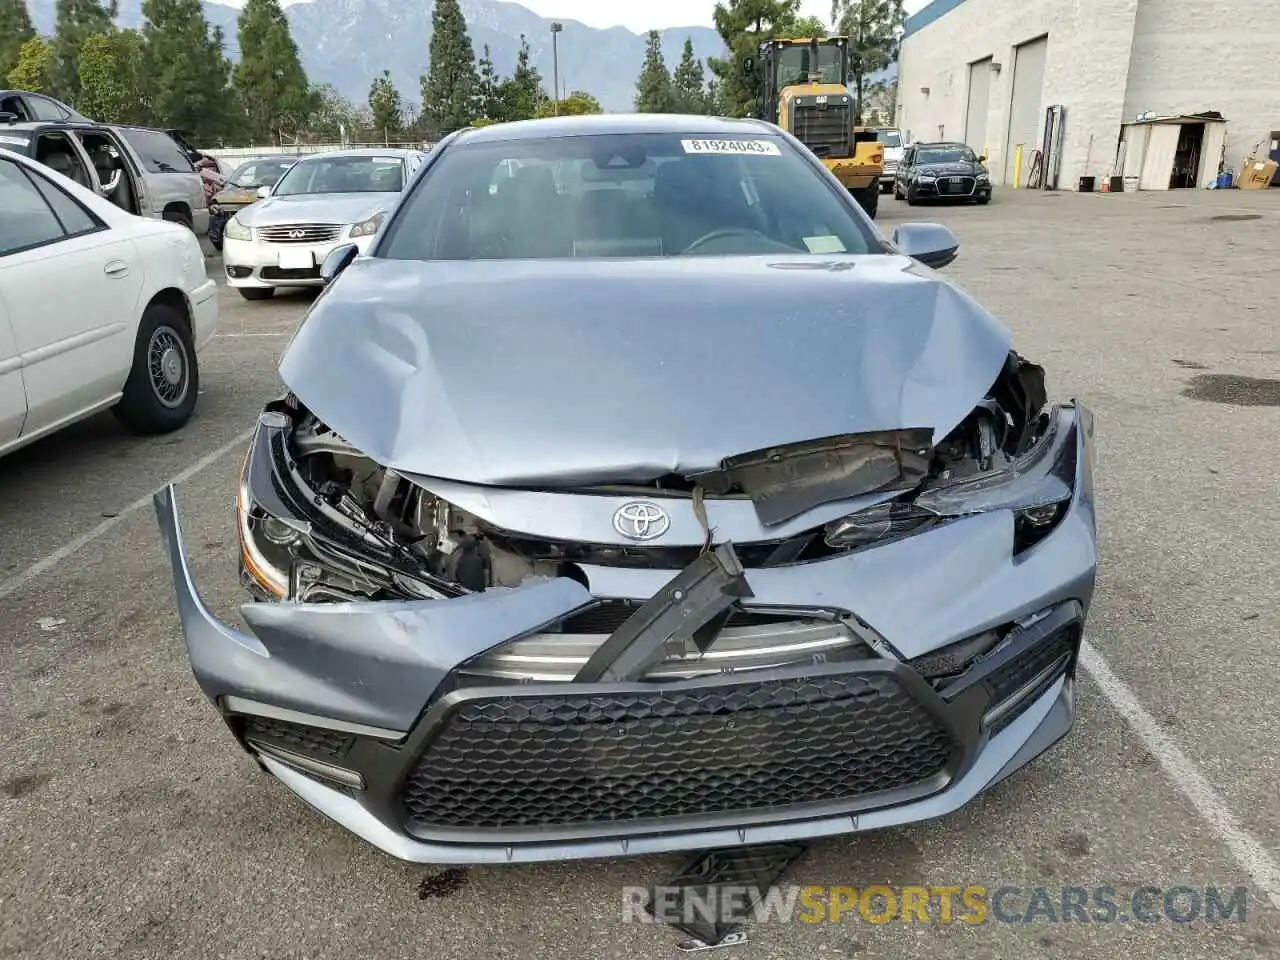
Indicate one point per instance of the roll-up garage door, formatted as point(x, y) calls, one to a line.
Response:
point(1024, 109)
point(975, 118)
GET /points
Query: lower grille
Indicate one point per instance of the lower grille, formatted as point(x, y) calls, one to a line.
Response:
point(956, 186)
point(300, 233)
point(315, 741)
point(563, 760)
point(1009, 679)
point(280, 273)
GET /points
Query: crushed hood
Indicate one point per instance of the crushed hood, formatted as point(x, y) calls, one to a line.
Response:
point(576, 372)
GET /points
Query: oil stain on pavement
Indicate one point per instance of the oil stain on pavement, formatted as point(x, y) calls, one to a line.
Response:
point(1234, 390)
point(443, 884)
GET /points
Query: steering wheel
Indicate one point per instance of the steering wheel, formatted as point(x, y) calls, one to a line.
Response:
point(726, 233)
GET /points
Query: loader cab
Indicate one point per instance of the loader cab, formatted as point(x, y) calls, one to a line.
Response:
point(800, 67)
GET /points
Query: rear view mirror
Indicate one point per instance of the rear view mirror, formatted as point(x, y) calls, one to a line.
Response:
point(264, 191)
point(931, 243)
point(339, 259)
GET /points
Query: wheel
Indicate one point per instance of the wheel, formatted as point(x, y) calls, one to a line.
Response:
point(164, 381)
point(256, 293)
point(911, 198)
point(869, 198)
point(897, 192)
point(983, 201)
point(180, 217)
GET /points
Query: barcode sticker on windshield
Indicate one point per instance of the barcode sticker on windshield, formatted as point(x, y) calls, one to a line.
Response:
point(761, 148)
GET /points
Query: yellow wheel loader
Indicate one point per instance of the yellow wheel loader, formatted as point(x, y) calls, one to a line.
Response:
point(805, 91)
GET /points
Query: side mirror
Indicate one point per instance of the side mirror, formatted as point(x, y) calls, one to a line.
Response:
point(931, 243)
point(264, 191)
point(339, 259)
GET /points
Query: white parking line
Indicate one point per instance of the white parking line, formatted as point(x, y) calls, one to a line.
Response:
point(20, 580)
point(1248, 852)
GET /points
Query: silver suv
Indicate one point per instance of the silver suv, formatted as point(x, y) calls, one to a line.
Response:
point(143, 171)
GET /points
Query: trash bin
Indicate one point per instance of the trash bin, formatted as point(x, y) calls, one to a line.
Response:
point(1087, 184)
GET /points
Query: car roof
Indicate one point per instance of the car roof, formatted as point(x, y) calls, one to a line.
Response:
point(600, 124)
point(940, 143)
point(359, 152)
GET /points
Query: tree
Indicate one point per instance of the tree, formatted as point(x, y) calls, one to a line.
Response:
point(15, 30)
point(874, 29)
point(807, 27)
point(654, 90)
point(186, 70)
point(744, 25)
point(74, 20)
point(689, 82)
point(35, 66)
point(112, 87)
point(450, 86)
point(386, 105)
point(333, 118)
point(576, 104)
point(522, 92)
point(489, 92)
point(882, 103)
point(269, 81)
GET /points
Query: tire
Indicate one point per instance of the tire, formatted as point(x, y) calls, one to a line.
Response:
point(180, 217)
point(897, 194)
point(983, 201)
point(256, 293)
point(164, 381)
point(215, 232)
point(911, 198)
point(869, 198)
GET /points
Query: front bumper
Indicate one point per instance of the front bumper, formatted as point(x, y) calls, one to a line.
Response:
point(260, 265)
point(365, 710)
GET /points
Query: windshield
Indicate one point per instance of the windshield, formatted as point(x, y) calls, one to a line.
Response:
point(949, 154)
point(793, 65)
point(260, 173)
point(628, 195)
point(343, 175)
point(890, 138)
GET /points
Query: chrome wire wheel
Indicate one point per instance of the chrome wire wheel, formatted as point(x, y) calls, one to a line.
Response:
point(168, 367)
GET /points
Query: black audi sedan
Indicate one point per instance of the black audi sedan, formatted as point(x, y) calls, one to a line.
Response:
point(942, 171)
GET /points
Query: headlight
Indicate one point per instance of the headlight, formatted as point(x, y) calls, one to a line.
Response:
point(1037, 488)
point(266, 554)
point(367, 228)
point(235, 230)
point(984, 177)
point(922, 178)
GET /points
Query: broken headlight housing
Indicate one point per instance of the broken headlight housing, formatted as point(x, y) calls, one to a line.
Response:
point(1037, 487)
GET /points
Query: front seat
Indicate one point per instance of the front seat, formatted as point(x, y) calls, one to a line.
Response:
point(62, 162)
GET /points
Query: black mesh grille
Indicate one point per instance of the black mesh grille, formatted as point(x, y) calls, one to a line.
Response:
point(608, 616)
point(1014, 675)
point(290, 273)
point(955, 186)
point(314, 741)
point(825, 130)
point(574, 759)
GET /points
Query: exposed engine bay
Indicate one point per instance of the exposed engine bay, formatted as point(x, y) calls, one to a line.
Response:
point(371, 533)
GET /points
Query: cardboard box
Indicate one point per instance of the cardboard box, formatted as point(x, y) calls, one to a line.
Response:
point(1257, 174)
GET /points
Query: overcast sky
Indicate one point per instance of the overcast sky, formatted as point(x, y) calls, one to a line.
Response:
point(641, 15)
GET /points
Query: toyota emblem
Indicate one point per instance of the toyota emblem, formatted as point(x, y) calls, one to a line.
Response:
point(641, 520)
point(296, 234)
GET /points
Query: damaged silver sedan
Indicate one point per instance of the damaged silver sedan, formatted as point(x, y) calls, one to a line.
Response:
point(634, 494)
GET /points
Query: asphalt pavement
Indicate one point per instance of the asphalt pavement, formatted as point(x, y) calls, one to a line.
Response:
point(132, 826)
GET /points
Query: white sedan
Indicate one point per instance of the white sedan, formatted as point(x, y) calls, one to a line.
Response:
point(99, 310)
point(323, 202)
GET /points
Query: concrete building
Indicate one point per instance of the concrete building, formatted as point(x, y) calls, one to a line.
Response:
point(987, 72)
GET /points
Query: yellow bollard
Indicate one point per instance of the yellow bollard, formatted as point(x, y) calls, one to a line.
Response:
point(1017, 166)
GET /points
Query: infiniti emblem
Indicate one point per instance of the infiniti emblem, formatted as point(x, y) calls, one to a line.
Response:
point(641, 520)
point(297, 234)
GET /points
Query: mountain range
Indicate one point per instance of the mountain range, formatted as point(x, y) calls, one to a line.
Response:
point(347, 43)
